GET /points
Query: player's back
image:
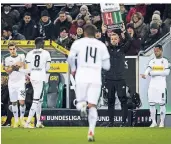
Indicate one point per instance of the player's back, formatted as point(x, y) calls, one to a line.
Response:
point(38, 59)
point(90, 54)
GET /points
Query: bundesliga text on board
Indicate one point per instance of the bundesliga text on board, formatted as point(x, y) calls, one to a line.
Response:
point(77, 118)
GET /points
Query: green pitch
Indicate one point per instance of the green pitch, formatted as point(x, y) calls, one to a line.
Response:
point(78, 135)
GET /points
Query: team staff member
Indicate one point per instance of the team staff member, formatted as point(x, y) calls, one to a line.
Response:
point(115, 81)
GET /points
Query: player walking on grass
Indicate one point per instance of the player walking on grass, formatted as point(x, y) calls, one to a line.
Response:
point(158, 68)
point(92, 56)
point(16, 82)
point(38, 61)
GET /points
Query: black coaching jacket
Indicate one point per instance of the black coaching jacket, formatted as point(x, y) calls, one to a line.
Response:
point(117, 59)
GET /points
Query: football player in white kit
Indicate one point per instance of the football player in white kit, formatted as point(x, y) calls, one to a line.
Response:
point(158, 68)
point(92, 56)
point(16, 82)
point(38, 61)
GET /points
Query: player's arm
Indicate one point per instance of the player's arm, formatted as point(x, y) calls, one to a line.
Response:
point(48, 61)
point(72, 56)
point(147, 71)
point(8, 69)
point(27, 65)
point(105, 59)
point(165, 72)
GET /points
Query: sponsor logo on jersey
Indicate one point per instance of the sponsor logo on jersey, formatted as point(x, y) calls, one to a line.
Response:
point(158, 68)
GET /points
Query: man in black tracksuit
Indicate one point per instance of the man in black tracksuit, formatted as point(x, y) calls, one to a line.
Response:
point(115, 81)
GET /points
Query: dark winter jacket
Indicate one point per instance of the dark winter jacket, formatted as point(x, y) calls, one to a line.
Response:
point(117, 59)
point(47, 30)
point(29, 30)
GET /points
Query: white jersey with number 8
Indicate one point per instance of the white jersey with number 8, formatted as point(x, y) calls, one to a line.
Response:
point(37, 60)
point(90, 55)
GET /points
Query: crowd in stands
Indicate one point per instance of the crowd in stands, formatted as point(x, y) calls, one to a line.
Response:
point(145, 23)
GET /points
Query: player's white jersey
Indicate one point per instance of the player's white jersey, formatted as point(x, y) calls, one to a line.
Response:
point(37, 60)
point(161, 64)
point(15, 77)
point(90, 54)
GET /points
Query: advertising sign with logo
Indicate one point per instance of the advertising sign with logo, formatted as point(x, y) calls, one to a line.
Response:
point(111, 15)
point(72, 118)
point(141, 118)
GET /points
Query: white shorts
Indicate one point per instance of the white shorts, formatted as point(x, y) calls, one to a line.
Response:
point(38, 88)
point(17, 92)
point(156, 95)
point(88, 92)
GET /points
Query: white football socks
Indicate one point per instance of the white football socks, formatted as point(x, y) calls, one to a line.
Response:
point(22, 111)
point(162, 113)
point(15, 112)
point(38, 112)
point(153, 113)
point(32, 111)
point(92, 119)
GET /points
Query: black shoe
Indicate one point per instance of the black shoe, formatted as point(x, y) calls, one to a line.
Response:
point(6, 125)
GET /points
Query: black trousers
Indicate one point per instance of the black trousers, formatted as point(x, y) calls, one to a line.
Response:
point(119, 87)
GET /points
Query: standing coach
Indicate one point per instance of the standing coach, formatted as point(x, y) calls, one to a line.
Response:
point(114, 78)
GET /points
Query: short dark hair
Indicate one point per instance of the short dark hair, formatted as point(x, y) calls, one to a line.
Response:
point(62, 12)
point(64, 28)
point(11, 44)
point(39, 42)
point(7, 28)
point(159, 46)
point(27, 14)
point(90, 29)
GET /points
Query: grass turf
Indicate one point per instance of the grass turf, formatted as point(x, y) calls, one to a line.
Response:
point(78, 135)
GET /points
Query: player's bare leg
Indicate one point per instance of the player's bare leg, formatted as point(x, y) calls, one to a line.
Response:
point(162, 114)
point(92, 119)
point(153, 114)
point(22, 112)
point(15, 113)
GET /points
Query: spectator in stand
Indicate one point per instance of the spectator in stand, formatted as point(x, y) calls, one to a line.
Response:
point(139, 25)
point(151, 8)
point(141, 8)
point(52, 10)
point(78, 35)
point(10, 16)
point(135, 45)
point(157, 19)
point(71, 9)
point(28, 27)
point(62, 21)
point(3, 24)
point(16, 35)
point(124, 12)
point(96, 19)
point(31, 8)
point(7, 33)
point(167, 17)
point(80, 22)
point(99, 35)
point(154, 35)
point(85, 13)
point(46, 27)
point(64, 40)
